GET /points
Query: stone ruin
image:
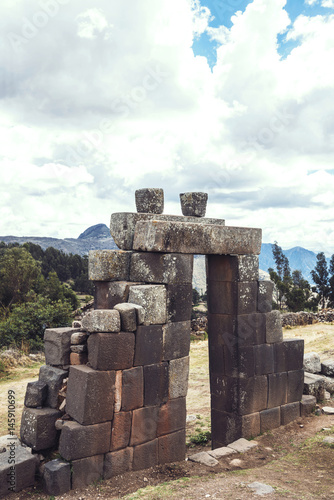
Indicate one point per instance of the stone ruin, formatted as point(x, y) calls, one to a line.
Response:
point(112, 395)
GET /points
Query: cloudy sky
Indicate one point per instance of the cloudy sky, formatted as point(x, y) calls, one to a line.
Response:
point(231, 97)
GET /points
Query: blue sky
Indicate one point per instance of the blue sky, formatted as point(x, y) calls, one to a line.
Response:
point(234, 98)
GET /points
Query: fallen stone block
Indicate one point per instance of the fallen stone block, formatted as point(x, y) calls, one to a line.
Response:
point(290, 412)
point(56, 477)
point(176, 340)
point(79, 338)
point(128, 316)
point(161, 268)
point(328, 410)
point(307, 405)
point(90, 395)
point(150, 200)
point(233, 268)
point(57, 343)
point(19, 474)
point(155, 384)
point(242, 445)
point(81, 441)
point(178, 377)
point(36, 394)
point(312, 362)
point(109, 265)
point(172, 416)
point(120, 430)
point(327, 368)
point(122, 225)
point(38, 427)
point(204, 458)
point(146, 455)
point(179, 302)
point(224, 451)
point(132, 389)
point(149, 345)
point(172, 447)
point(265, 296)
point(186, 237)
point(154, 301)
point(144, 425)
point(274, 332)
point(270, 419)
point(250, 425)
point(102, 320)
point(314, 385)
point(86, 470)
point(108, 351)
point(329, 384)
point(53, 377)
point(117, 462)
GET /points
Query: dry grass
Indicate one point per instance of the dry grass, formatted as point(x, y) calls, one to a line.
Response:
point(318, 337)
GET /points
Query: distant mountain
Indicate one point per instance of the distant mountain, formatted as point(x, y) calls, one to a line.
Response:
point(98, 238)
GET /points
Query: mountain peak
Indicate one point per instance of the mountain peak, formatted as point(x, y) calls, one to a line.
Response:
point(97, 231)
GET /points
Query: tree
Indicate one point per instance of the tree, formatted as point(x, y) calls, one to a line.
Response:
point(320, 278)
point(331, 281)
point(196, 297)
point(56, 291)
point(282, 276)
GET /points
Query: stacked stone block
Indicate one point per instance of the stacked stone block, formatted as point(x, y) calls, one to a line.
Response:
point(256, 378)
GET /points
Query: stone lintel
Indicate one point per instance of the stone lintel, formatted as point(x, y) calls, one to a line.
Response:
point(122, 225)
point(187, 237)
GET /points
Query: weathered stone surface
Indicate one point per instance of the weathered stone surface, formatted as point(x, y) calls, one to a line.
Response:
point(232, 267)
point(79, 349)
point(78, 358)
point(205, 458)
point(178, 377)
point(264, 359)
point(154, 301)
point(328, 410)
point(144, 425)
point(53, 377)
point(86, 470)
point(36, 394)
point(225, 428)
point(295, 386)
point(133, 389)
point(79, 338)
point(179, 302)
point(57, 477)
point(120, 430)
point(224, 393)
point(19, 475)
point(38, 427)
point(250, 329)
point(149, 345)
point(270, 419)
point(57, 342)
point(155, 384)
point(117, 462)
point(253, 394)
point(128, 316)
point(314, 385)
point(90, 395)
point(150, 200)
point(193, 204)
point(290, 412)
point(186, 237)
point(307, 405)
point(102, 320)
point(146, 455)
point(80, 441)
point(172, 416)
point(277, 389)
point(224, 451)
point(122, 225)
point(329, 384)
point(118, 390)
point(161, 268)
point(109, 265)
point(261, 489)
point(111, 351)
point(312, 362)
point(222, 297)
point(109, 293)
point(242, 445)
point(294, 353)
point(172, 447)
point(239, 361)
point(176, 340)
point(265, 296)
point(250, 425)
point(274, 331)
point(247, 297)
point(327, 368)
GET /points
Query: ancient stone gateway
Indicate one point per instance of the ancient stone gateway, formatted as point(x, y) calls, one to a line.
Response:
point(128, 404)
